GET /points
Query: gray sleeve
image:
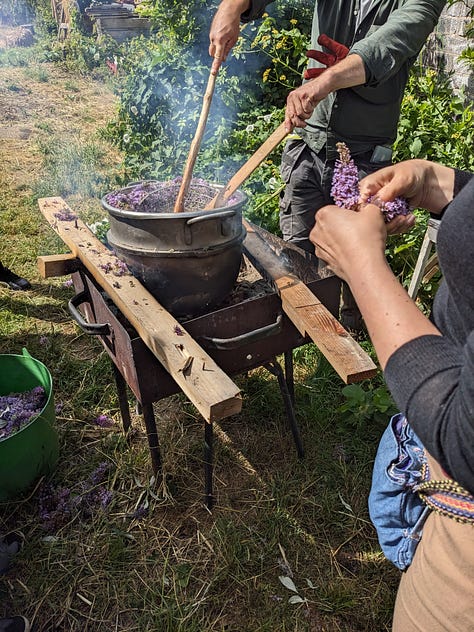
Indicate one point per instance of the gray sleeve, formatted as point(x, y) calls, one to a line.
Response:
point(387, 47)
point(432, 382)
point(257, 9)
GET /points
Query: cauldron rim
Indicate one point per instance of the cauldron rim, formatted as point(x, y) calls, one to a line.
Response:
point(242, 197)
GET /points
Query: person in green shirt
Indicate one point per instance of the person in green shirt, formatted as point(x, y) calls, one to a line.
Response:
point(355, 100)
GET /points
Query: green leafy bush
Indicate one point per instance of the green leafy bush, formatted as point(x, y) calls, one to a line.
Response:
point(364, 405)
point(436, 125)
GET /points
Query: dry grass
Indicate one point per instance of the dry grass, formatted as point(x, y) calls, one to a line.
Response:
point(178, 567)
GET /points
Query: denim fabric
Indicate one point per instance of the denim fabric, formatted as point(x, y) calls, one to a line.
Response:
point(396, 511)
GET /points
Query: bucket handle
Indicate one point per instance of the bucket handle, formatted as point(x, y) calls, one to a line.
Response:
point(94, 329)
point(250, 336)
point(203, 218)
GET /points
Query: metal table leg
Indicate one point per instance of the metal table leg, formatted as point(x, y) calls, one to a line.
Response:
point(290, 382)
point(208, 463)
point(152, 434)
point(275, 369)
point(122, 398)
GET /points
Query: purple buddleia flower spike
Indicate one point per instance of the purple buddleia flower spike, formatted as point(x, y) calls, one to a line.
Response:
point(345, 188)
point(345, 180)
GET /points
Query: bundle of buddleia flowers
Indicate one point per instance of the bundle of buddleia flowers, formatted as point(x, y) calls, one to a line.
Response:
point(345, 188)
point(18, 409)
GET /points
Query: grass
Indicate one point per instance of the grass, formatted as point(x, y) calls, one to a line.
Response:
point(156, 558)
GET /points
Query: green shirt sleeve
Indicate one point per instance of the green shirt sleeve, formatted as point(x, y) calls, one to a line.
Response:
point(387, 47)
point(257, 9)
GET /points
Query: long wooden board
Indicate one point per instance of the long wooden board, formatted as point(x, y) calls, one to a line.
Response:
point(210, 389)
point(308, 314)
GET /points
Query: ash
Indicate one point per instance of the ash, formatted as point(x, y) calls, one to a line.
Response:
point(249, 284)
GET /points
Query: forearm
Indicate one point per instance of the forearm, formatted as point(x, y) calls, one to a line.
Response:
point(347, 73)
point(391, 317)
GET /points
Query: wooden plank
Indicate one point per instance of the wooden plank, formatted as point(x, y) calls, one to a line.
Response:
point(308, 314)
point(203, 382)
point(57, 265)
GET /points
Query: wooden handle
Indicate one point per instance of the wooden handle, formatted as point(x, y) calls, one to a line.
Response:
point(196, 143)
point(249, 167)
point(205, 384)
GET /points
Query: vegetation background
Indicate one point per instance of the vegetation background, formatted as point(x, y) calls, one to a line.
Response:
point(289, 545)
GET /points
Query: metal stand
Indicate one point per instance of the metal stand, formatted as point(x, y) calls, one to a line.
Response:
point(276, 370)
point(121, 386)
point(146, 410)
point(208, 464)
point(425, 251)
point(286, 384)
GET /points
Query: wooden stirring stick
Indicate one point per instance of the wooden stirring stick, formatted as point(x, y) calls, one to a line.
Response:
point(196, 143)
point(249, 167)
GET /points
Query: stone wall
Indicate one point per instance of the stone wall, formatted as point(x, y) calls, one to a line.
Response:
point(447, 43)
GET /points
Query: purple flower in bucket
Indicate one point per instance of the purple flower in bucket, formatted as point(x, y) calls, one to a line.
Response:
point(18, 409)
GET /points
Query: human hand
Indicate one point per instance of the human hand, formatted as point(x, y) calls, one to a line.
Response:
point(424, 184)
point(400, 224)
point(225, 30)
point(301, 102)
point(349, 241)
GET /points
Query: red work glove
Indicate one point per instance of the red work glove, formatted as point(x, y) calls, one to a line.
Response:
point(337, 52)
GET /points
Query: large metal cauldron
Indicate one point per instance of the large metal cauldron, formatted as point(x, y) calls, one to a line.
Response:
point(189, 261)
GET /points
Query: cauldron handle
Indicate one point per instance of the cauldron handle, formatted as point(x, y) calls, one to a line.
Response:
point(203, 218)
point(250, 336)
point(96, 329)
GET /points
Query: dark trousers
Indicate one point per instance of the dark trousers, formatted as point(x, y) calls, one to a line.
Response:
point(308, 178)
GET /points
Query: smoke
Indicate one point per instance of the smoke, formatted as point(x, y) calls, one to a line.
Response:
point(16, 12)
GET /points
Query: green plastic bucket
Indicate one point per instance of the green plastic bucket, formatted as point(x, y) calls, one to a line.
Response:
point(33, 450)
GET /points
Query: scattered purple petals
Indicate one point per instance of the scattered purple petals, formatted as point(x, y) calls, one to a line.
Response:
point(104, 421)
point(140, 512)
point(54, 507)
point(100, 473)
point(118, 268)
point(66, 215)
point(106, 267)
point(68, 283)
point(58, 505)
point(18, 409)
point(345, 188)
point(178, 331)
point(43, 340)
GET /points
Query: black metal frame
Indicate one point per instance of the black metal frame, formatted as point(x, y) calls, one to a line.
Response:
point(135, 366)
